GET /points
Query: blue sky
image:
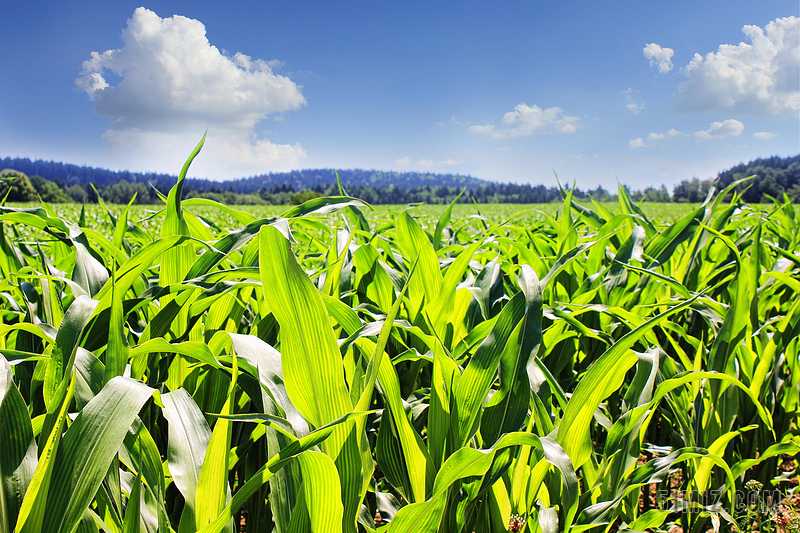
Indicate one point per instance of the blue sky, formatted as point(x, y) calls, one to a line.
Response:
point(641, 92)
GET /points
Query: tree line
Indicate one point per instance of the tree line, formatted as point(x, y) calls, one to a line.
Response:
point(774, 177)
point(15, 186)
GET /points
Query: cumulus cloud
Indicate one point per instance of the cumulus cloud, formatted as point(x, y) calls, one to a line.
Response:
point(661, 57)
point(763, 135)
point(427, 163)
point(174, 84)
point(403, 161)
point(652, 138)
point(759, 78)
point(526, 120)
point(718, 130)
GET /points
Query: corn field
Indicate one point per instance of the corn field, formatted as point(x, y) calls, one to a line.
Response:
point(326, 371)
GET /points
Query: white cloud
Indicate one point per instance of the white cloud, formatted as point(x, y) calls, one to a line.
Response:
point(763, 135)
point(659, 136)
point(636, 108)
point(630, 103)
point(486, 131)
point(662, 57)
point(637, 143)
point(233, 154)
point(761, 78)
point(526, 120)
point(175, 84)
point(718, 130)
point(427, 163)
point(654, 137)
point(403, 161)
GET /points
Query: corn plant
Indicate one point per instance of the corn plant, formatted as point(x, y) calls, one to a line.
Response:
point(332, 370)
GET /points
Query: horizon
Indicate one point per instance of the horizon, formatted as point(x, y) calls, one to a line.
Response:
point(511, 94)
point(566, 185)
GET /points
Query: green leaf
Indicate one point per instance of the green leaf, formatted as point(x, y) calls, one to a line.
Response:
point(443, 221)
point(19, 452)
point(604, 377)
point(275, 463)
point(230, 243)
point(69, 333)
point(32, 512)
point(87, 449)
point(141, 454)
point(508, 407)
point(89, 273)
point(323, 206)
point(175, 264)
point(312, 364)
point(703, 472)
point(470, 394)
point(133, 514)
point(416, 462)
point(189, 436)
point(417, 249)
point(191, 349)
point(440, 309)
point(213, 491)
point(268, 362)
point(321, 492)
point(467, 462)
point(117, 350)
point(662, 247)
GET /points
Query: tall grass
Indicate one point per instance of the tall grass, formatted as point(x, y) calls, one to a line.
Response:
point(323, 370)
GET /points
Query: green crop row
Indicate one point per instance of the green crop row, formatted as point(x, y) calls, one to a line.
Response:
point(331, 370)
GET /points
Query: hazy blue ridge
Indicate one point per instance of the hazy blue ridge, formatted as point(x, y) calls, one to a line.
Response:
point(70, 174)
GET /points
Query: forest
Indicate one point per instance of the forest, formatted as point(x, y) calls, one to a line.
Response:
point(28, 181)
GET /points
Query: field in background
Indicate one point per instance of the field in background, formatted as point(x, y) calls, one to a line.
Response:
point(665, 213)
point(661, 214)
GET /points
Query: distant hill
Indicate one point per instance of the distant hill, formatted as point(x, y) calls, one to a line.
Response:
point(55, 182)
point(69, 174)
